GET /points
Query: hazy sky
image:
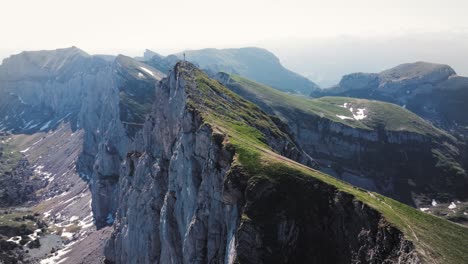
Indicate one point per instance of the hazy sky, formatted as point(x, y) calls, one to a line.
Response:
point(117, 26)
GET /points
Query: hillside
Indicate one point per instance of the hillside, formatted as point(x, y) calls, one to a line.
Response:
point(375, 113)
point(433, 91)
point(375, 145)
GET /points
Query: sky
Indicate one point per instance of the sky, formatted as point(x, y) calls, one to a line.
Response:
point(287, 27)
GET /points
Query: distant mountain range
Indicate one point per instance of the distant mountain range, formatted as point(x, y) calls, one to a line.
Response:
point(254, 63)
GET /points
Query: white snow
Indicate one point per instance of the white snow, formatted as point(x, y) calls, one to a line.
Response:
point(55, 259)
point(15, 239)
point(434, 203)
point(87, 222)
point(25, 150)
point(359, 114)
point(424, 209)
point(452, 205)
point(147, 71)
point(140, 75)
point(47, 175)
point(47, 214)
point(35, 235)
point(68, 235)
point(344, 117)
point(44, 127)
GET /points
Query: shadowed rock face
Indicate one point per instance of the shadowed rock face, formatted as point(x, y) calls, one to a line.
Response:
point(108, 100)
point(183, 201)
point(314, 224)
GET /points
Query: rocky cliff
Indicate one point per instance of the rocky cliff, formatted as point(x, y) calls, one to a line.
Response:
point(186, 195)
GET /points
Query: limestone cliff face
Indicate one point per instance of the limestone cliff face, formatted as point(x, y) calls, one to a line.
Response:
point(107, 100)
point(401, 165)
point(110, 117)
point(182, 200)
point(171, 207)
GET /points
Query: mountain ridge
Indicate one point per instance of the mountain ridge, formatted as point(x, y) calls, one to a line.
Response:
point(252, 62)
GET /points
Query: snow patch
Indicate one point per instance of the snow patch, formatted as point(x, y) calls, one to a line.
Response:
point(358, 114)
point(55, 259)
point(47, 214)
point(15, 239)
point(87, 222)
point(35, 235)
point(452, 205)
point(68, 235)
point(434, 203)
point(44, 127)
point(344, 117)
point(424, 209)
point(147, 71)
point(25, 150)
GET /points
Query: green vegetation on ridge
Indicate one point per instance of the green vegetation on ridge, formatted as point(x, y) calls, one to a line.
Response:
point(386, 115)
point(437, 240)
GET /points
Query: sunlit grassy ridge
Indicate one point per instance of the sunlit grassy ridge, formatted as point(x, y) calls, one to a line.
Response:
point(437, 240)
point(379, 114)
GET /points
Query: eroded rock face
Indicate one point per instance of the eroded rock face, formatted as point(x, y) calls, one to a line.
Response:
point(171, 201)
point(315, 223)
point(182, 201)
point(107, 100)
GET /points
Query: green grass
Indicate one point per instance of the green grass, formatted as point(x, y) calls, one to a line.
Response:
point(9, 156)
point(380, 114)
point(436, 239)
point(14, 220)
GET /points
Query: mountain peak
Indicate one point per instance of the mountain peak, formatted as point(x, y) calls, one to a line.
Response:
point(40, 63)
point(418, 70)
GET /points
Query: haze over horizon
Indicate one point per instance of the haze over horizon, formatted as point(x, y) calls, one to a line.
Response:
point(322, 41)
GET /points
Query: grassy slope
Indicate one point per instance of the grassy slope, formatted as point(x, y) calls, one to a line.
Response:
point(436, 239)
point(392, 117)
point(9, 155)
